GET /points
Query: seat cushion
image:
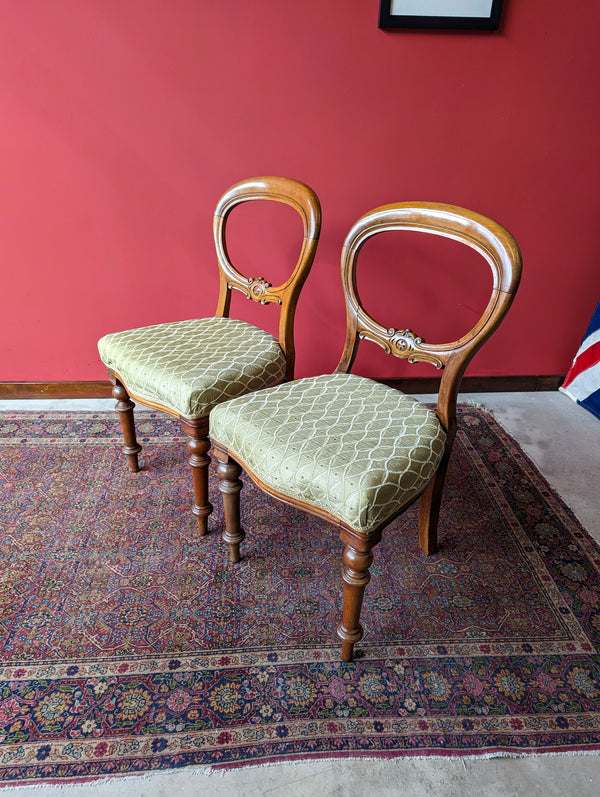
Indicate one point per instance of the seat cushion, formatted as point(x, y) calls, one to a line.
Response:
point(357, 449)
point(190, 366)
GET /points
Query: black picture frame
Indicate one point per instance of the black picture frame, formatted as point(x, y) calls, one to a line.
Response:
point(451, 21)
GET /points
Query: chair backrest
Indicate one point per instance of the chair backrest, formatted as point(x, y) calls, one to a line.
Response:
point(494, 244)
point(305, 201)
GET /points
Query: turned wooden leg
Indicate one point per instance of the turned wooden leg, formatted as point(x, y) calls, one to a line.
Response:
point(198, 445)
point(124, 407)
point(429, 511)
point(356, 577)
point(230, 485)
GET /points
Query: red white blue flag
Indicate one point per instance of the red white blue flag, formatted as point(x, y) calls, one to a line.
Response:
point(582, 383)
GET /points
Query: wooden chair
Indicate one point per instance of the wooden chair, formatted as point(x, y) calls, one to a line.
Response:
point(186, 368)
point(351, 450)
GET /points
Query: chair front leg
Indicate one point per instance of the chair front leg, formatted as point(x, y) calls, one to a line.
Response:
point(198, 445)
point(124, 407)
point(230, 485)
point(356, 576)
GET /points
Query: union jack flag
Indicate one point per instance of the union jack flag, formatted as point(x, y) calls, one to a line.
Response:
point(582, 383)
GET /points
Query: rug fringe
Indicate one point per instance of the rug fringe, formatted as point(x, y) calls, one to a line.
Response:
point(478, 405)
point(221, 772)
point(400, 759)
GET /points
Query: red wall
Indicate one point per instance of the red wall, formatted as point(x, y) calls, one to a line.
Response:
point(122, 122)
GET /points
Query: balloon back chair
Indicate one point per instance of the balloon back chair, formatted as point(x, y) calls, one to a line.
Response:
point(186, 368)
point(351, 450)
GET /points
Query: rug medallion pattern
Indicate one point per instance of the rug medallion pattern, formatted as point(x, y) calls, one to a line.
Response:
point(129, 644)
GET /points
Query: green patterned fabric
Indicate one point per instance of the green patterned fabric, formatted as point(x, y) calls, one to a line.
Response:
point(342, 443)
point(191, 366)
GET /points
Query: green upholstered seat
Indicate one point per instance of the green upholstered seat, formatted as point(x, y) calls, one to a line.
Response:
point(342, 443)
point(191, 366)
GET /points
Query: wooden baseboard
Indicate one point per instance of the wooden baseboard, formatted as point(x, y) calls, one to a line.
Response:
point(480, 384)
point(55, 390)
point(470, 384)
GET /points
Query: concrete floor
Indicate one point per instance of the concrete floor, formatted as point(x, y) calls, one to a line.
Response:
point(564, 442)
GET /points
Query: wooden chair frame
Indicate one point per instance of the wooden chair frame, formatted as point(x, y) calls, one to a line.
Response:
point(279, 189)
point(497, 246)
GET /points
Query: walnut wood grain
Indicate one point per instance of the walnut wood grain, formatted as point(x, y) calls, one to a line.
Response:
point(499, 249)
point(124, 406)
point(278, 189)
point(356, 576)
point(198, 445)
point(230, 486)
point(302, 199)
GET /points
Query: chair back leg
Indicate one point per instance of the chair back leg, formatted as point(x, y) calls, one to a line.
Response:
point(124, 407)
point(429, 509)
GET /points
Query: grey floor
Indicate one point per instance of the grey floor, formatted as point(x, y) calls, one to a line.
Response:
point(564, 442)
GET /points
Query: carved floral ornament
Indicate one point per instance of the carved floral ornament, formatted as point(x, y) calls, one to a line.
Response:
point(403, 343)
point(257, 289)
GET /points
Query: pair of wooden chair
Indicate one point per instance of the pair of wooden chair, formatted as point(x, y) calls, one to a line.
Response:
point(339, 446)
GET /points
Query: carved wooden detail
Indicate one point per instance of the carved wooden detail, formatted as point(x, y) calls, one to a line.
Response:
point(199, 460)
point(356, 576)
point(230, 486)
point(402, 343)
point(258, 290)
point(125, 407)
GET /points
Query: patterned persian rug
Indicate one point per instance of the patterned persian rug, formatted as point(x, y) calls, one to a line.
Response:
point(129, 644)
